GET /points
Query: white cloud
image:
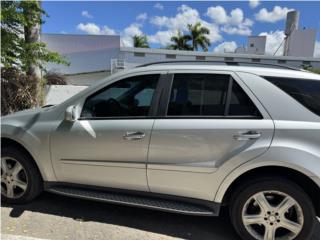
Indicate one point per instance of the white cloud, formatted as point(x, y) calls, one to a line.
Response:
point(278, 13)
point(125, 35)
point(128, 33)
point(86, 14)
point(235, 23)
point(158, 6)
point(161, 37)
point(225, 47)
point(142, 17)
point(274, 39)
point(91, 28)
point(254, 3)
point(108, 31)
point(317, 50)
point(185, 15)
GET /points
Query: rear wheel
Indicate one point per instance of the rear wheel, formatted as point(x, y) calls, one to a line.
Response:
point(20, 179)
point(272, 208)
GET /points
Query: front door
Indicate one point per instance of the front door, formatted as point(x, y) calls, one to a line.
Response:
point(108, 145)
point(210, 121)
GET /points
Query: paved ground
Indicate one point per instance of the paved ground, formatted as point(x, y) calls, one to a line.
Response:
point(56, 217)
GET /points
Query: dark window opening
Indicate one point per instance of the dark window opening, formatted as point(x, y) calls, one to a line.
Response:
point(200, 58)
point(255, 60)
point(282, 61)
point(171, 56)
point(138, 54)
point(227, 59)
point(130, 97)
point(207, 95)
point(305, 91)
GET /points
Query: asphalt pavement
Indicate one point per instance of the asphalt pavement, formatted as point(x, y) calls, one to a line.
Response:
point(57, 217)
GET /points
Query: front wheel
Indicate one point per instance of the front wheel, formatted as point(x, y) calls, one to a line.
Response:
point(20, 179)
point(271, 209)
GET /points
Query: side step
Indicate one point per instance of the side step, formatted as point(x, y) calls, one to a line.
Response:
point(136, 201)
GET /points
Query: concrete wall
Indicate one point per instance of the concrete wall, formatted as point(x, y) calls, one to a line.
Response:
point(56, 94)
point(85, 53)
point(86, 79)
point(135, 57)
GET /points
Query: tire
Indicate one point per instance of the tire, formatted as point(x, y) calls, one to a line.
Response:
point(31, 175)
point(244, 200)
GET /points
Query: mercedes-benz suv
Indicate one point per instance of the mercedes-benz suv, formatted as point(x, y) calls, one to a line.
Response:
point(186, 138)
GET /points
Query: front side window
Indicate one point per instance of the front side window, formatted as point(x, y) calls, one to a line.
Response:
point(207, 95)
point(305, 91)
point(129, 97)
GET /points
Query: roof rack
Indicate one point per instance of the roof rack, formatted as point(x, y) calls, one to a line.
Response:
point(229, 63)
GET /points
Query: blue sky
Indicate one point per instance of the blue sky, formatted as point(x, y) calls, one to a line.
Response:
point(229, 22)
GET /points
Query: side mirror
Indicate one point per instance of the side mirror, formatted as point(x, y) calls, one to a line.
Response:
point(70, 114)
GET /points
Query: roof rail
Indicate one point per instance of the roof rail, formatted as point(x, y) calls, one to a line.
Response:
point(230, 63)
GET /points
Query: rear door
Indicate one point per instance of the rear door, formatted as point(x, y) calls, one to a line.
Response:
point(207, 119)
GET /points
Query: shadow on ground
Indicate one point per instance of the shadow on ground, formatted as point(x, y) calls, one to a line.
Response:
point(174, 225)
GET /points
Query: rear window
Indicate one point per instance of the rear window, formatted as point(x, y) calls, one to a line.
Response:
point(305, 91)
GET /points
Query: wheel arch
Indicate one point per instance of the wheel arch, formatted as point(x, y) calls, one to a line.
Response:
point(6, 142)
point(301, 179)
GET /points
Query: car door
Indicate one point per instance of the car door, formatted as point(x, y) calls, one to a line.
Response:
point(209, 120)
point(108, 145)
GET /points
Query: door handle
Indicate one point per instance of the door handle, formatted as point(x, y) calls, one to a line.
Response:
point(249, 135)
point(134, 135)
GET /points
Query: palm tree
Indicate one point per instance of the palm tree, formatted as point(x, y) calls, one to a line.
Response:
point(198, 35)
point(140, 41)
point(180, 42)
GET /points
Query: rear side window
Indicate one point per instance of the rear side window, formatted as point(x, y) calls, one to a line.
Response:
point(209, 95)
point(305, 91)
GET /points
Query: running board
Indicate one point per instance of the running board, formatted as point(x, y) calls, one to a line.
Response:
point(135, 201)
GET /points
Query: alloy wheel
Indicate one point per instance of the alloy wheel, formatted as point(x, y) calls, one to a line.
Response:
point(14, 180)
point(270, 215)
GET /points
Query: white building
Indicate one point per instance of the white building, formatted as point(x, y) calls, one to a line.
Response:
point(257, 45)
point(301, 42)
point(93, 57)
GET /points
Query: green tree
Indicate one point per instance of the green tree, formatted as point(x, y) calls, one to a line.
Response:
point(180, 42)
point(198, 35)
point(21, 48)
point(140, 41)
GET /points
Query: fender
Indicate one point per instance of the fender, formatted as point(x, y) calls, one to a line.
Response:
point(297, 160)
point(37, 147)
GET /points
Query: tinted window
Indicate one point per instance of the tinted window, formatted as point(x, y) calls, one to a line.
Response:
point(125, 98)
point(198, 94)
point(240, 103)
point(305, 91)
point(206, 95)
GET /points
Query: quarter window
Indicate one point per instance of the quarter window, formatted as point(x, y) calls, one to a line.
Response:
point(207, 95)
point(305, 91)
point(130, 97)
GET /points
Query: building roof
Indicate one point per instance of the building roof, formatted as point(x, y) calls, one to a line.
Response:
point(211, 54)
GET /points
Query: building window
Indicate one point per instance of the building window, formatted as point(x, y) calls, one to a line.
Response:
point(228, 59)
point(282, 61)
point(251, 44)
point(255, 60)
point(171, 56)
point(200, 58)
point(139, 54)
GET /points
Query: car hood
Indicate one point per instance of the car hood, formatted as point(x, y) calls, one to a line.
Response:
point(25, 117)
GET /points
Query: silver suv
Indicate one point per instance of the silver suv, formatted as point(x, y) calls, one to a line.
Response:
point(185, 138)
